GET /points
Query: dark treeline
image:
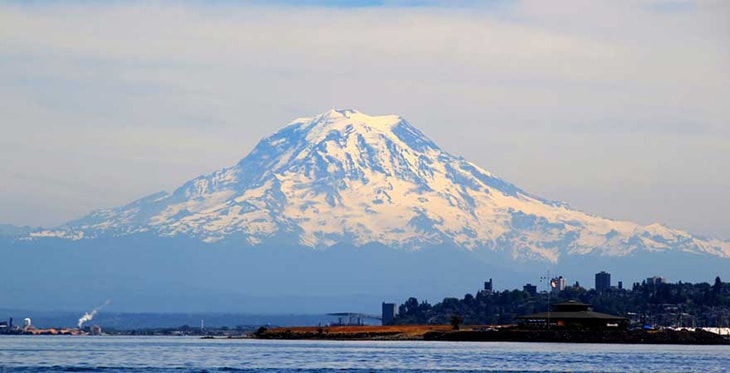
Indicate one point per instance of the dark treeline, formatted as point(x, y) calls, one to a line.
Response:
point(680, 304)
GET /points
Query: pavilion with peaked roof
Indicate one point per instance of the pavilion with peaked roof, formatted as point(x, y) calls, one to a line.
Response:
point(573, 315)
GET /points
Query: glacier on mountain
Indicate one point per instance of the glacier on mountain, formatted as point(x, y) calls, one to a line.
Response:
point(347, 177)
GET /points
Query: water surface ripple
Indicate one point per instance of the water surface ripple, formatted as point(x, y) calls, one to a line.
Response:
point(183, 354)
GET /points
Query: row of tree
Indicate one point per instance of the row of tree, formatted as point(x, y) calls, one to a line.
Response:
point(680, 304)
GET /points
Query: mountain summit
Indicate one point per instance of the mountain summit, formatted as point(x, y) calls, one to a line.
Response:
point(344, 177)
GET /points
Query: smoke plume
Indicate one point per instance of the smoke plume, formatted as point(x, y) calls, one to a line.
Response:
point(88, 316)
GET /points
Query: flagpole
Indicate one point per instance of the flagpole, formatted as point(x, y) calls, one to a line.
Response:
point(548, 280)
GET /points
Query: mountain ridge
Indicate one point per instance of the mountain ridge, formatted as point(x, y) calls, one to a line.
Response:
point(347, 177)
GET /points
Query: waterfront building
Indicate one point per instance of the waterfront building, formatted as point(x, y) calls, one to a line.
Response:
point(572, 315)
point(388, 313)
point(603, 281)
point(94, 330)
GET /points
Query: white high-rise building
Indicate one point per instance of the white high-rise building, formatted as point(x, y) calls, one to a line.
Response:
point(557, 284)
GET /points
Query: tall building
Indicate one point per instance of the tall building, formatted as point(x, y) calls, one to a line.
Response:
point(530, 289)
point(557, 284)
point(388, 314)
point(603, 281)
point(488, 287)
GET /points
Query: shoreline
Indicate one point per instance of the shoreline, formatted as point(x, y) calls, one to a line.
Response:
point(493, 334)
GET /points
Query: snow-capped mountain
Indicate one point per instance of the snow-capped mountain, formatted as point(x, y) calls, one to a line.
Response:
point(347, 177)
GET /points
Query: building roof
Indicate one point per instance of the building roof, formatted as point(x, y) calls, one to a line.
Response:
point(571, 306)
point(580, 315)
point(572, 310)
point(571, 303)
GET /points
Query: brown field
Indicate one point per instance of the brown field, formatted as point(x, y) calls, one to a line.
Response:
point(358, 332)
point(507, 333)
point(365, 329)
point(53, 331)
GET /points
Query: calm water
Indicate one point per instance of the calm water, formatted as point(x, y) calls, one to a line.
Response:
point(182, 354)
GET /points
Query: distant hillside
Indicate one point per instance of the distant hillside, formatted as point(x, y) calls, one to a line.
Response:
point(8, 230)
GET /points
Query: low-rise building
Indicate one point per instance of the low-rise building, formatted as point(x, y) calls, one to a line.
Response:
point(655, 280)
point(573, 315)
point(530, 289)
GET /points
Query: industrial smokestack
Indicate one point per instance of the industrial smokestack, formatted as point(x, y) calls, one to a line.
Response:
point(88, 316)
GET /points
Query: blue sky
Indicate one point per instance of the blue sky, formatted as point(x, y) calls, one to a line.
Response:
point(619, 108)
